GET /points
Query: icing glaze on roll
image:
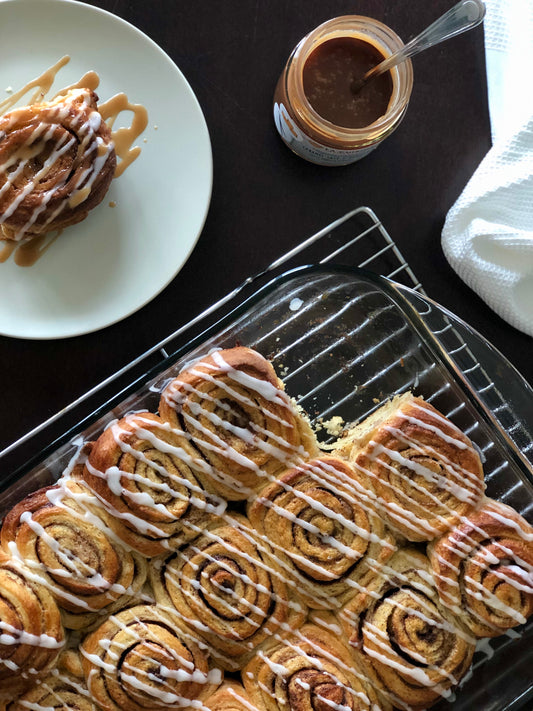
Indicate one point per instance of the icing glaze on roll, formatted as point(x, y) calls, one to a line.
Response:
point(425, 473)
point(484, 569)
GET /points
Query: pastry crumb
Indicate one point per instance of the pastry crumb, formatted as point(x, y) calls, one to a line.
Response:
point(112, 203)
point(334, 426)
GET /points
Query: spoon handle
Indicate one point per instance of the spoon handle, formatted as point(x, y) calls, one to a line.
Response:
point(459, 18)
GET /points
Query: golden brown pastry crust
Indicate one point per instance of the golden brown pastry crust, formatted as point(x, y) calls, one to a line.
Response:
point(31, 628)
point(141, 659)
point(412, 649)
point(234, 409)
point(83, 568)
point(309, 671)
point(231, 696)
point(483, 569)
point(323, 529)
point(64, 689)
point(57, 160)
point(227, 588)
point(425, 473)
point(150, 483)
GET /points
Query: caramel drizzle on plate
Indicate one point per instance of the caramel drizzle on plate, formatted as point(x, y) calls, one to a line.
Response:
point(28, 251)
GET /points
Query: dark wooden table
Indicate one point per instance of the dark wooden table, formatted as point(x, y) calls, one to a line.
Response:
point(266, 200)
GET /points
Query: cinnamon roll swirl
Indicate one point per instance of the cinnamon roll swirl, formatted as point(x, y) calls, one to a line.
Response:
point(484, 569)
point(234, 409)
point(424, 471)
point(57, 160)
point(310, 671)
point(64, 689)
point(140, 659)
point(225, 586)
point(150, 482)
point(412, 649)
point(31, 633)
point(84, 569)
point(231, 696)
point(324, 531)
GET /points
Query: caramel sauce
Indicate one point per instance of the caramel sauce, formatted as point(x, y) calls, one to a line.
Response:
point(328, 75)
point(42, 85)
point(28, 251)
point(124, 137)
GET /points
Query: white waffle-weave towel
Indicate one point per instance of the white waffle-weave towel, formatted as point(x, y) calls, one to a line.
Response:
point(488, 233)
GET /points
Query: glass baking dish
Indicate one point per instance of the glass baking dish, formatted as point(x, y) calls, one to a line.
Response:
point(343, 340)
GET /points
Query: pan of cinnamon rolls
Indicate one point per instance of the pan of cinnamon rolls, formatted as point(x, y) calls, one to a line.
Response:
point(211, 554)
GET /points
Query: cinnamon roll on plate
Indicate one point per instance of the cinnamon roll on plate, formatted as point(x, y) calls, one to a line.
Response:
point(57, 160)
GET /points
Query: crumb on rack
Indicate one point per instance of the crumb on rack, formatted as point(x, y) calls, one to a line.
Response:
point(334, 426)
point(283, 370)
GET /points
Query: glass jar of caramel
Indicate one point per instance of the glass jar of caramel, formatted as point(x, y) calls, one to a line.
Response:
point(317, 112)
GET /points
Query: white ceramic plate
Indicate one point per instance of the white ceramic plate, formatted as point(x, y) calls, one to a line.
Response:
point(119, 258)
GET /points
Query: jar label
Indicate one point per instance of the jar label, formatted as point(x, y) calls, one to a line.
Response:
point(312, 151)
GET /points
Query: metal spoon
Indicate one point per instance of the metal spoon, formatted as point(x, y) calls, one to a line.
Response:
point(459, 18)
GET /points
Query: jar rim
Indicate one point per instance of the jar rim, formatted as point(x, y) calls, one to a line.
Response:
point(387, 42)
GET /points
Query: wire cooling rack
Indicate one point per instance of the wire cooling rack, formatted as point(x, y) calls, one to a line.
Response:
point(358, 238)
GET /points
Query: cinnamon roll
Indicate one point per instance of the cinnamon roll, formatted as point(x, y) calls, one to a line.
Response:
point(57, 160)
point(412, 649)
point(150, 482)
point(425, 473)
point(310, 671)
point(231, 696)
point(324, 531)
point(31, 633)
point(225, 586)
point(140, 659)
point(234, 409)
point(484, 569)
point(84, 569)
point(64, 689)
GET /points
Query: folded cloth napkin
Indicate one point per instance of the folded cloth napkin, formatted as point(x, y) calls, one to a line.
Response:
point(488, 233)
